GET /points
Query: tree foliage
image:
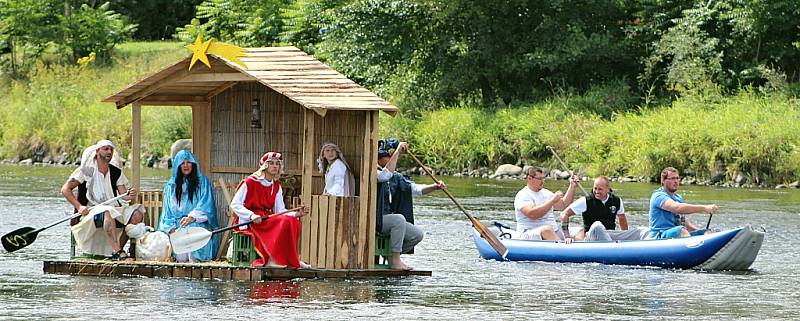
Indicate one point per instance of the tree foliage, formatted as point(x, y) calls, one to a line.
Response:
point(72, 29)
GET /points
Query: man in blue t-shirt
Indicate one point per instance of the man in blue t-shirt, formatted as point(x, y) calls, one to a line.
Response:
point(667, 210)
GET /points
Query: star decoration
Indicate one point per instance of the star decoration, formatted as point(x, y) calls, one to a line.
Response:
point(200, 49)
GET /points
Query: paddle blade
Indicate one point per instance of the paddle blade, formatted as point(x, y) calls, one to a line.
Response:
point(489, 237)
point(19, 238)
point(185, 240)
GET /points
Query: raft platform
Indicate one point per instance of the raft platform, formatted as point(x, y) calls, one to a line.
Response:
point(209, 271)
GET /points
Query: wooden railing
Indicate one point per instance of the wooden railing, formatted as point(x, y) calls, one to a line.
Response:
point(153, 203)
point(335, 234)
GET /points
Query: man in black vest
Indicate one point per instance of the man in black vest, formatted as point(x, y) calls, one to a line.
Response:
point(600, 211)
point(395, 212)
point(98, 179)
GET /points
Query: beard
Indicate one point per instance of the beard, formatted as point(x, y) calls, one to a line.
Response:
point(105, 158)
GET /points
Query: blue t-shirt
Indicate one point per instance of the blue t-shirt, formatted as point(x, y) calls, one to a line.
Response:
point(661, 219)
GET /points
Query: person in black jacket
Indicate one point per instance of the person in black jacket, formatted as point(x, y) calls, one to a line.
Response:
point(395, 212)
point(600, 211)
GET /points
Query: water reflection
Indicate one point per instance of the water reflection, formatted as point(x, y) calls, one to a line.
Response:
point(274, 291)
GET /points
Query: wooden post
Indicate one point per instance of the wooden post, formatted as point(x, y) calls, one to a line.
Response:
point(308, 156)
point(307, 168)
point(369, 192)
point(201, 134)
point(136, 144)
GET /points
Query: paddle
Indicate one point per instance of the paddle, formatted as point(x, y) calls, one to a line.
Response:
point(24, 236)
point(185, 240)
point(552, 150)
point(482, 230)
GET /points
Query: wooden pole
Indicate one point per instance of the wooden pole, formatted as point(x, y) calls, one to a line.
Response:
point(482, 230)
point(136, 144)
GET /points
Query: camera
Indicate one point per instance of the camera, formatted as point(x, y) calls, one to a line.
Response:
point(387, 144)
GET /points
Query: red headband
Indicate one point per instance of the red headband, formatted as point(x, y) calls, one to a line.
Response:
point(270, 156)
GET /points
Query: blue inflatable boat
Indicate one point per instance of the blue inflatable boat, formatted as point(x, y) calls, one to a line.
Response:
point(734, 249)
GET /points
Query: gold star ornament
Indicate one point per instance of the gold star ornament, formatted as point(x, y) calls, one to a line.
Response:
point(200, 49)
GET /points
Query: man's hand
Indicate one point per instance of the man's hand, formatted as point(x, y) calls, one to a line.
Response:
point(557, 197)
point(132, 192)
point(711, 209)
point(83, 210)
point(440, 185)
point(402, 147)
point(573, 181)
point(256, 219)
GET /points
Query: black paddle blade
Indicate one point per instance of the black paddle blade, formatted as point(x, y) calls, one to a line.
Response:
point(19, 238)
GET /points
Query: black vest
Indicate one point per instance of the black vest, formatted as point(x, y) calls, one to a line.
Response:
point(604, 213)
point(115, 174)
point(399, 188)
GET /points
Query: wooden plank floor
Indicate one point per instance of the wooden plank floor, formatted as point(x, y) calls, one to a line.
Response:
point(212, 270)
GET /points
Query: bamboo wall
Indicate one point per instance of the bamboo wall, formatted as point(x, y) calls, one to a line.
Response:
point(339, 232)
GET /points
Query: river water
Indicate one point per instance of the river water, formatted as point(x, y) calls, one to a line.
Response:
point(463, 286)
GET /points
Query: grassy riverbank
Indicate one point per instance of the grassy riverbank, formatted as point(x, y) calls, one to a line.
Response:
point(750, 135)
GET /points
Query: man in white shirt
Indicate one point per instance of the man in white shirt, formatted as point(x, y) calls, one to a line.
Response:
point(98, 179)
point(534, 205)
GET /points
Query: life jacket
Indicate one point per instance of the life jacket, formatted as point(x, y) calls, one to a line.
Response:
point(394, 197)
point(604, 213)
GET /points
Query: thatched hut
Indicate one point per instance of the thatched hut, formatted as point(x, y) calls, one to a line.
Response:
point(281, 100)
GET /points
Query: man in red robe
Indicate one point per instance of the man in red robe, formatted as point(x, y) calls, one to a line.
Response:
point(274, 238)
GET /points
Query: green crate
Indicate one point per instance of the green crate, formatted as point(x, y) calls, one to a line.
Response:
point(383, 252)
point(243, 253)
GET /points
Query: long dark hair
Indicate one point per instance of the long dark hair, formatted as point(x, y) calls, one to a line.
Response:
point(194, 182)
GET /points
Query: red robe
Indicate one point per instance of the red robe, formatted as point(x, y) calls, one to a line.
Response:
point(275, 237)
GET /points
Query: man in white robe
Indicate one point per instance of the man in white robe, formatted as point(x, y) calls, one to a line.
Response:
point(100, 178)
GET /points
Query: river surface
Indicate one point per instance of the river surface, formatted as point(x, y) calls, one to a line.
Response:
point(463, 286)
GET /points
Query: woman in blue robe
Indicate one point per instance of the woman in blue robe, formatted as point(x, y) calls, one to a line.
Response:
point(189, 201)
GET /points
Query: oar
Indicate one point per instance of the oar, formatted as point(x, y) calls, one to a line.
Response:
point(185, 240)
point(482, 230)
point(709, 220)
point(552, 150)
point(24, 236)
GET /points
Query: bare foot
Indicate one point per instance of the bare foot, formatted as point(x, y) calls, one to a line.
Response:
point(272, 264)
point(401, 266)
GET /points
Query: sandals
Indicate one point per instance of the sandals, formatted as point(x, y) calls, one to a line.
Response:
point(120, 255)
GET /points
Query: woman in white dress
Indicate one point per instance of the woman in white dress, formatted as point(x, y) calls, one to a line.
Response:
point(339, 179)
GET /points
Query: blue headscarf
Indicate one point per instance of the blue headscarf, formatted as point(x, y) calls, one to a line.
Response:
point(203, 201)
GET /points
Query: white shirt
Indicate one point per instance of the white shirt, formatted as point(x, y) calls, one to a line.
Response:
point(579, 206)
point(384, 175)
point(245, 215)
point(526, 197)
point(336, 179)
point(99, 188)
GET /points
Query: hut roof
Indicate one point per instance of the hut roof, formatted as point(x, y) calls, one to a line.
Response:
point(287, 70)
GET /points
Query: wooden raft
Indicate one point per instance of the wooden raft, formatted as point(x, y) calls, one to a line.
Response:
point(208, 271)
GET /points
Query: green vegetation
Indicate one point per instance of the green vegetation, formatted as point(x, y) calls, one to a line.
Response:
point(618, 87)
point(756, 135)
point(58, 109)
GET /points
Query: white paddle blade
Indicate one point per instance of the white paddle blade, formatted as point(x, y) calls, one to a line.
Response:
point(188, 239)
